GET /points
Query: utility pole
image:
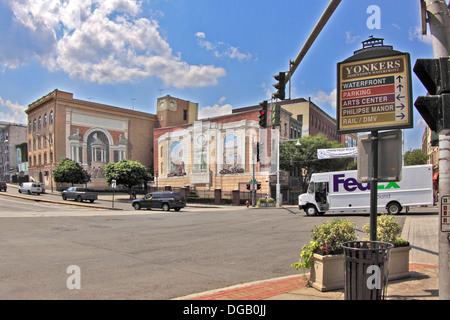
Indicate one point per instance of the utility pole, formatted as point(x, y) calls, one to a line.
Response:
point(437, 13)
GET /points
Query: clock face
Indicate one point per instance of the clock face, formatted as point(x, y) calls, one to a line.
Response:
point(201, 140)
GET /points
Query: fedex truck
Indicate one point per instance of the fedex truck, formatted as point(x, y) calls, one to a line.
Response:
point(340, 191)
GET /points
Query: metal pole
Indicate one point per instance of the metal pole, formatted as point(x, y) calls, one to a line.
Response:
point(312, 37)
point(439, 20)
point(374, 187)
point(278, 171)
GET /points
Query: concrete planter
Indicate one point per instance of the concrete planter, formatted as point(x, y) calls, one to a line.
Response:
point(328, 270)
point(399, 264)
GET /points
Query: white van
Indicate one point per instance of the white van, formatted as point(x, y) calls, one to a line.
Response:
point(340, 191)
point(31, 187)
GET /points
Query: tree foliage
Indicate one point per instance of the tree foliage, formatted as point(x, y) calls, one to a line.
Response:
point(70, 171)
point(415, 157)
point(305, 157)
point(126, 172)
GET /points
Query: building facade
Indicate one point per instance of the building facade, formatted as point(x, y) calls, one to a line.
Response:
point(11, 135)
point(89, 133)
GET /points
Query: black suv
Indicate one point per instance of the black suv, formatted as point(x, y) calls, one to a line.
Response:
point(3, 186)
point(160, 200)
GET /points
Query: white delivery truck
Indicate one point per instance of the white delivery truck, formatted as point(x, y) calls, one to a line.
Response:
point(340, 191)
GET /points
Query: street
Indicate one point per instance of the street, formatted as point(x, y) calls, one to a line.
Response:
point(129, 254)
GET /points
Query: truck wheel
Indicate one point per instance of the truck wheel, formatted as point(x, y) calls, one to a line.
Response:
point(79, 199)
point(165, 207)
point(394, 208)
point(311, 210)
point(64, 197)
point(136, 206)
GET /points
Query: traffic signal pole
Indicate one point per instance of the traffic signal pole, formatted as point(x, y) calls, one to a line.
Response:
point(312, 37)
point(437, 12)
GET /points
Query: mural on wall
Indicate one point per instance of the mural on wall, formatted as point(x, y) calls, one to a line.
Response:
point(176, 160)
point(231, 158)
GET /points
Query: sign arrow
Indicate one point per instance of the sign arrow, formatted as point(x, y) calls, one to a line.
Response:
point(402, 116)
point(400, 87)
point(399, 97)
point(401, 106)
point(399, 78)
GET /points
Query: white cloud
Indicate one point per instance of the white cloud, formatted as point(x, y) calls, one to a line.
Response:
point(329, 98)
point(216, 110)
point(230, 51)
point(102, 41)
point(416, 34)
point(349, 38)
point(12, 112)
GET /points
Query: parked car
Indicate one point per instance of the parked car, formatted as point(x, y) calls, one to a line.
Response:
point(31, 187)
point(79, 194)
point(160, 200)
point(3, 186)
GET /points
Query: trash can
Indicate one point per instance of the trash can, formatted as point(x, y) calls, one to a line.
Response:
point(366, 269)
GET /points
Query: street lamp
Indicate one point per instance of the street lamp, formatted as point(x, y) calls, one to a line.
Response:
point(51, 158)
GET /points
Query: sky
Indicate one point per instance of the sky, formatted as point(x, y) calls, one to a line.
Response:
point(220, 54)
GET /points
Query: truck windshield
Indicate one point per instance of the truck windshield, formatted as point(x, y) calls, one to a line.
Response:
point(311, 188)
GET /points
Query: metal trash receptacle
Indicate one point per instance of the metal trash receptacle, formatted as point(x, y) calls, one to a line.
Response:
point(366, 269)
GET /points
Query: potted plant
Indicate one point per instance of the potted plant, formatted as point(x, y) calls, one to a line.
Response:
point(324, 254)
point(388, 230)
point(263, 202)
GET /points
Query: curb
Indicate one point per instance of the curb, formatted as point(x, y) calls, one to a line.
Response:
point(76, 204)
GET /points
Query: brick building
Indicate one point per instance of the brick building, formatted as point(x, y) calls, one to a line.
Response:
point(89, 133)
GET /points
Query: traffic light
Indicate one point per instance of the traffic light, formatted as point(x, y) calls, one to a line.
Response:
point(280, 86)
point(435, 107)
point(263, 115)
point(248, 186)
point(276, 115)
point(258, 186)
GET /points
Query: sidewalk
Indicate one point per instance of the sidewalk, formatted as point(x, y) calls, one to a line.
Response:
point(422, 285)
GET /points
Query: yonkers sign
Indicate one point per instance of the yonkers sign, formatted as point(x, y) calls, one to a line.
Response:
point(374, 92)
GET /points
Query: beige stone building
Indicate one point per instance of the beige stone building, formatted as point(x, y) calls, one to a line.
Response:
point(89, 133)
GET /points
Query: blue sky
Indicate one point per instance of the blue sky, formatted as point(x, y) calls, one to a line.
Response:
point(220, 54)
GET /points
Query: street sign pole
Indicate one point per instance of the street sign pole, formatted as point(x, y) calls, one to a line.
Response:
point(374, 92)
point(374, 187)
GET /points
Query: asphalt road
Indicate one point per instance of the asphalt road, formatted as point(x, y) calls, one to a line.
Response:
point(128, 254)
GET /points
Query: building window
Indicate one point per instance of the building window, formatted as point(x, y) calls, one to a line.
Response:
point(34, 125)
point(40, 159)
point(51, 117)
point(45, 120)
point(29, 126)
point(39, 122)
point(185, 115)
point(45, 158)
point(39, 143)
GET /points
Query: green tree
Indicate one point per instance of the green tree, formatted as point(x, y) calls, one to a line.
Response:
point(126, 172)
point(415, 157)
point(70, 171)
point(305, 157)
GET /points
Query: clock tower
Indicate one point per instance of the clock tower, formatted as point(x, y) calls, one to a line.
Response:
point(172, 111)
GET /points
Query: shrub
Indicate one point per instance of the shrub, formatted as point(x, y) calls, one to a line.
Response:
point(387, 230)
point(326, 239)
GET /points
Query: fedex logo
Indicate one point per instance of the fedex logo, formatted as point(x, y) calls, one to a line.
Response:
point(350, 184)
